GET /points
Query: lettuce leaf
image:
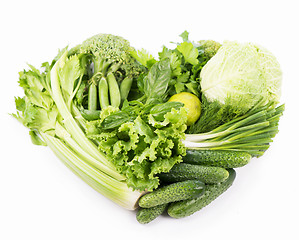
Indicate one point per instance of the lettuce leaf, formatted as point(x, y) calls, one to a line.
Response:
point(143, 147)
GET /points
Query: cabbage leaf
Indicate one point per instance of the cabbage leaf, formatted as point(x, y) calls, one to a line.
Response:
point(241, 75)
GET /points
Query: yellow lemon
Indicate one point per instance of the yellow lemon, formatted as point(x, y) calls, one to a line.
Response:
point(191, 103)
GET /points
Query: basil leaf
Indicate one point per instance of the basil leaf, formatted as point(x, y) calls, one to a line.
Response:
point(156, 82)
point(90, 115)
point(159, 111)
point(115, 120)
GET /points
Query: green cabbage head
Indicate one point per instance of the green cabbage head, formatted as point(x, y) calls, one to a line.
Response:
point(241, 75)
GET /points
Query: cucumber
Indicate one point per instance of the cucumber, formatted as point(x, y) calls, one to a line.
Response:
point(185, 171)
point(188, 207)
point(146, 215)
point(172, 193)
point(217, 158)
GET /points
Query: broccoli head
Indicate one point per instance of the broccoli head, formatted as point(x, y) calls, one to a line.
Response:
point(110, 53)
point(208, 48)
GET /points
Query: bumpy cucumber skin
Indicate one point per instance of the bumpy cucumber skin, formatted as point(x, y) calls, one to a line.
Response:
point(184, 171)
point(217, 158)
point(146, 215)
point(188, 207)
point(172, 193)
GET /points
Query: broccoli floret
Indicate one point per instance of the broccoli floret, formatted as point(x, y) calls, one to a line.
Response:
point(208, 48)
point(110, 53)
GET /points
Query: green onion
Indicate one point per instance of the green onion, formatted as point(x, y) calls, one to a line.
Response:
point(251, 132)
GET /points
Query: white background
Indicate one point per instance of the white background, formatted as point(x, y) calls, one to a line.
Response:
point(41, 199)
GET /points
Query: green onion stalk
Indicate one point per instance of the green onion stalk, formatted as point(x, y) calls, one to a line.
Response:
point(252, 132)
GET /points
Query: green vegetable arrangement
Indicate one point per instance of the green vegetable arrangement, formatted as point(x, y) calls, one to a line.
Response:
point(152, 134)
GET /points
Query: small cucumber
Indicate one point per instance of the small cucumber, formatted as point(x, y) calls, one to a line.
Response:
point(188, 207)
point(146, 215)
point(217, 158)
point(172, 193)
point(184, 171)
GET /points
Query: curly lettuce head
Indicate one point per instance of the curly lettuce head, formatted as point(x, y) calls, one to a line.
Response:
point(143, 147)
point(242, 75)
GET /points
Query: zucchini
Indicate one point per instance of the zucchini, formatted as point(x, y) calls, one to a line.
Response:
point(185, 171)
point(172, 193)
point(217, 158)
point(188, 207)
point(146, 215)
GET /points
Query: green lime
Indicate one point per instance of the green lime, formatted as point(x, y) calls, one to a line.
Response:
point(191, 103)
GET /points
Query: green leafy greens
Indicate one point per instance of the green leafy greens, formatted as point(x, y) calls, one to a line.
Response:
point(144, 146)
point(121, 149)
point(143, 138)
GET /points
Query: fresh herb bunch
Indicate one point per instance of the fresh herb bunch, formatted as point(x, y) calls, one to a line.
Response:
point(186, 61)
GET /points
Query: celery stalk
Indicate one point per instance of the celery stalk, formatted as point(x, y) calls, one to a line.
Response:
point(109, 187)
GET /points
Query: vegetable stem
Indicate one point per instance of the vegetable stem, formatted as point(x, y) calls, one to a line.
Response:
point(71, 124)
point(111, 188)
